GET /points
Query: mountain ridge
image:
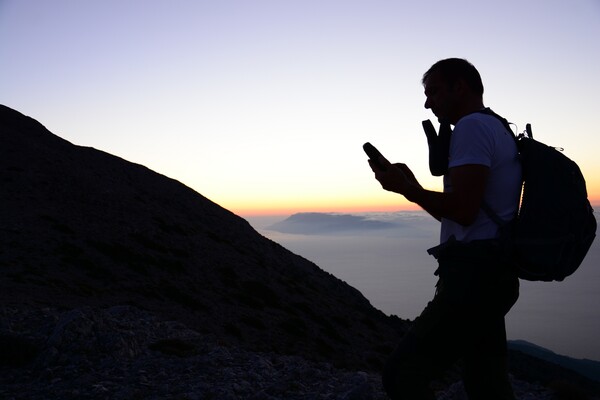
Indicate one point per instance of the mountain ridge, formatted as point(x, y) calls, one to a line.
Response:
point(586, 367)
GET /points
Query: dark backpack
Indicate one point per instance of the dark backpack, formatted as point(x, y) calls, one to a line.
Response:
point(555, 225)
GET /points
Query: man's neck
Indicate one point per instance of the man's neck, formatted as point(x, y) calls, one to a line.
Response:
point(469, 108)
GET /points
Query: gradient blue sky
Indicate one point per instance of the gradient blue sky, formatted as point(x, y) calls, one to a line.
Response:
point(262, 106)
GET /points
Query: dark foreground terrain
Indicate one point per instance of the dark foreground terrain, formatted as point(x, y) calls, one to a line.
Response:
point(118, 282)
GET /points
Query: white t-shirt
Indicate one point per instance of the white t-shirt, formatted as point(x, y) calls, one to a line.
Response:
point(483, 140)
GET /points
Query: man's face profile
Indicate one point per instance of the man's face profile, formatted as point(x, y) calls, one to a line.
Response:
point(440, 99)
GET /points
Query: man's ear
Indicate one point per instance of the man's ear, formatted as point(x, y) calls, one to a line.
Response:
point(460, 86)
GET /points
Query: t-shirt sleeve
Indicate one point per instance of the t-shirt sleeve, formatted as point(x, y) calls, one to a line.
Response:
point(471, 143)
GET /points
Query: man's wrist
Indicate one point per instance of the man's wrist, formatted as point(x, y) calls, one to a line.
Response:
point(413, 193)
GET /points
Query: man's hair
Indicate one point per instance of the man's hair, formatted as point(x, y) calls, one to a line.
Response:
point(453, 69)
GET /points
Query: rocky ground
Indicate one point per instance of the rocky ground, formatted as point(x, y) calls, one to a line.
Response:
point(125, 353)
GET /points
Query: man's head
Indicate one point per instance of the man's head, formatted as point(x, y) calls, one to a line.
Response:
point(453, 88)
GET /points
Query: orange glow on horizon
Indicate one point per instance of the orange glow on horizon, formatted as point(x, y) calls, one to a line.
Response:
point(286, 209)
point(286, 205)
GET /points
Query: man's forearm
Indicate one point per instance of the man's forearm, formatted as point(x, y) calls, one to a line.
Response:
point(428, 200)
point(443, 205)
point(462, 204)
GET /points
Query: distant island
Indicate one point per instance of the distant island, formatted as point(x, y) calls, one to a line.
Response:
point(325, 223)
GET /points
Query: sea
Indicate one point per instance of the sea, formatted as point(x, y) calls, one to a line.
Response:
point(384, 256)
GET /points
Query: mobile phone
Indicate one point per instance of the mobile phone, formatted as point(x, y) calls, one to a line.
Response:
point(374, 155)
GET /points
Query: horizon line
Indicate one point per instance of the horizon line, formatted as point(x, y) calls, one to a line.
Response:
point(284, 211)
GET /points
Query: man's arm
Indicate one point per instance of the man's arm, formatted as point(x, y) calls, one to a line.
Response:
point(461, 205)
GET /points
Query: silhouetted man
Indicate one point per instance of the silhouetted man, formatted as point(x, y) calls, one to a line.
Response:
point(477, 283)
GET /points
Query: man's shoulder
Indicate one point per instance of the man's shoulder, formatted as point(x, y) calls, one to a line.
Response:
point(478, 118)
point(478, 122)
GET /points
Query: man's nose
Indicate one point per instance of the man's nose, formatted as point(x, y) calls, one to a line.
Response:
point(427, 104)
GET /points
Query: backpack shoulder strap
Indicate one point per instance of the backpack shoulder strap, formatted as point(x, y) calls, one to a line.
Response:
point(484, 206)
point(488, 111)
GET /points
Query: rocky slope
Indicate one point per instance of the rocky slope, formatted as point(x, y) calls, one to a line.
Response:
point(123, 353)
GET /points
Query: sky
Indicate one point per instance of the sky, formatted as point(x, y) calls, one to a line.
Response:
point(263, 105)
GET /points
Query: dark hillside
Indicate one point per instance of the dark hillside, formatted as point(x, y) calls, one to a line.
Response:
point(82, 227)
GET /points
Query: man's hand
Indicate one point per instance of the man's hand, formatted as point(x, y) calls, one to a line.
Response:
point(397, 178)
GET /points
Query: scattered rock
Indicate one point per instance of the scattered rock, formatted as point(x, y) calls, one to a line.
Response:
point(124, 353)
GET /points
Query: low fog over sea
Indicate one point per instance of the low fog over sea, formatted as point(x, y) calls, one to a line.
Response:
point(384, 255)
